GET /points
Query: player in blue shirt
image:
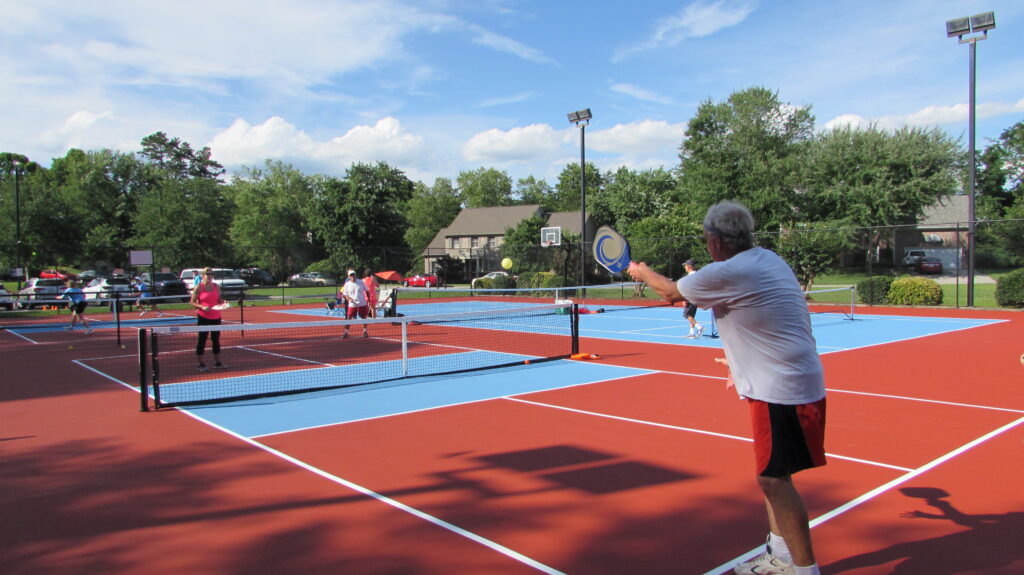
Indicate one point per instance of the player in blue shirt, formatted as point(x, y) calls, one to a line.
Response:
point(77, 304)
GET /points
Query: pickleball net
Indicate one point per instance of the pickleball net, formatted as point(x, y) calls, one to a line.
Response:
point(267, 360)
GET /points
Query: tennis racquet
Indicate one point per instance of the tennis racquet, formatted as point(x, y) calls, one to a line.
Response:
point(611, 250)
point(221, 306)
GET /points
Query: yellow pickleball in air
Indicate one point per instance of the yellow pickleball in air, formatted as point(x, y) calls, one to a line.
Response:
point(506, 263)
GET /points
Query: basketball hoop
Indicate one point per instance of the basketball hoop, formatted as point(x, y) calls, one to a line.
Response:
point(545, 244)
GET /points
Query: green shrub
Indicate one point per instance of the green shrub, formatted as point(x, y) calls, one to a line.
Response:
point(483, 283)
point(873, 290)
point(1010, 289)
point(914, 290)
point(504, 282)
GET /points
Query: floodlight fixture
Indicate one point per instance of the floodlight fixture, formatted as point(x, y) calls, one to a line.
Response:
point(580, 116)
point(960, 27)
point(983, 22)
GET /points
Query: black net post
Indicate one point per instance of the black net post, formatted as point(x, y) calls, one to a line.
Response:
point(155, 364)
point(143, 372)
point(116, 308)
point(575, 328)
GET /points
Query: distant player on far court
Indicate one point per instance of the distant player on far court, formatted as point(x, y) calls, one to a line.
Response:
point(773, 360)
point(354, 292)
point(696, 329)
point(77, 304)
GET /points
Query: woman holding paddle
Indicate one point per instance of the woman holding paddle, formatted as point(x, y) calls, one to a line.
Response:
point(207, 300)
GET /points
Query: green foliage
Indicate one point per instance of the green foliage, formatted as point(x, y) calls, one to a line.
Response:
point(811, 251)
point(485, 187)
point(914, 290)
point(630, 196)
point(567, 190)
point(355, 217)
point(748, 149)
point(268, 230)
point(1010, 289)
point(665, 242)
point(874, 290)
point(522, 244)
point(430, 210)
point(176, 159)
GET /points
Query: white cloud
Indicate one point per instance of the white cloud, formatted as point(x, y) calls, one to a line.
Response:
point(637, 139)
point(245, 144)
point(505, 100)
point(518, 144)
point(929, 115)
point(697, 19)
point(641, 94)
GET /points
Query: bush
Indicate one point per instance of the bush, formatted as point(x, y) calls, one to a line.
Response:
point(913, 290)
point(1010, 289)
point(874, 290)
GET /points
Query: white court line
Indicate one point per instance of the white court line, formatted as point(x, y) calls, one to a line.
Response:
point(690, 430)
point(494, 546)
point(515, 555)
point(728, 565)
point(14, 333)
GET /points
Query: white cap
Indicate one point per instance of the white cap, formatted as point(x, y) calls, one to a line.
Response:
point(351, 272)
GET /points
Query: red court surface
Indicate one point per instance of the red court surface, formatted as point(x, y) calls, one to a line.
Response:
point(643, 474)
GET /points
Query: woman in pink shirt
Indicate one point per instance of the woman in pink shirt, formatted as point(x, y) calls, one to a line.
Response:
point(205, 296)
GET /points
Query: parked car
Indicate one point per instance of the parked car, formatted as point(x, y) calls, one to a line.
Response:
point(491, 276)
point(312, 279)
point(166, 284)
point(89, 275)
point(423, 280)
point(911, 258)
point(40, 289)
point(256, 277)
point(53, 274)
point(104, 288)
point(6, 301)
point(929, 265)
point(231, 286)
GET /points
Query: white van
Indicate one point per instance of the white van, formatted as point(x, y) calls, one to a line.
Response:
point(229, 282)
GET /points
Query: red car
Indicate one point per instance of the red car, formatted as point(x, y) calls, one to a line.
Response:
point(419, 280)
point(929, 266)
point(54, 275)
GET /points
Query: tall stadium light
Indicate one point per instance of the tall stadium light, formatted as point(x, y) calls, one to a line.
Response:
point(971, 28)
point(17, 223)
point(582, 118)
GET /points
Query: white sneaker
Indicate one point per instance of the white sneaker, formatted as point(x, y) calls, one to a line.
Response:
point(88, 330)
point(690, 335)
point(765, 564)
point(142, 313)
point(700, 331)
point(68, 328)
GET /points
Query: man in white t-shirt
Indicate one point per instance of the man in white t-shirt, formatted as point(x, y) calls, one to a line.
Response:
point(354, 292)
point(765, 328)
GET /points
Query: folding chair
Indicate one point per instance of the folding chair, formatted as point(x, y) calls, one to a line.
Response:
point(335, 308)
point(385, 303)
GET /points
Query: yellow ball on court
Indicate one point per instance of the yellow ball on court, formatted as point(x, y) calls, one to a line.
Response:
point(71, 347)
point(506, 263)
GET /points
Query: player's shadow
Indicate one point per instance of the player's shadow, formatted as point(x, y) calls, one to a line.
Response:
point(989, 541)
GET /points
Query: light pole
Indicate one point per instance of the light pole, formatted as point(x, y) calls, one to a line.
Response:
point(961, 27)
point(582, 119)
point(17, 222)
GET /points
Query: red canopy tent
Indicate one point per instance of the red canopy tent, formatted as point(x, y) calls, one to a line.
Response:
point(390, 276)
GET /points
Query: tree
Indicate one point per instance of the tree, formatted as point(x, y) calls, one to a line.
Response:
point(485, 188)
point(1000, 173)
point(630, 196)
point(747, 149)
point(361, 220)
point(567, 191)
point(666, 241)
point(870, 178)
point(186, 223)
point(268, 229)
point(178, 160)
point(430, 210)
point(812, 250)
point(532, 191)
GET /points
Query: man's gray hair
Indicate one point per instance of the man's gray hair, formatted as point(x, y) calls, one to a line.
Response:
point(732, 222)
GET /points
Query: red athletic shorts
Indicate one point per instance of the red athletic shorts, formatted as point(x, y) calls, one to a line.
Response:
point(352, 311)
point(787, 438)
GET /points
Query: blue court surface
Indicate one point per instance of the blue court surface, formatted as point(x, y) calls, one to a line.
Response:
point(663, 324)
point(290, 413)
point(834, 332)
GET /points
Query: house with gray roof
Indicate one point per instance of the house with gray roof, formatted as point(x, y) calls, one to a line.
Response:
point(476, 235)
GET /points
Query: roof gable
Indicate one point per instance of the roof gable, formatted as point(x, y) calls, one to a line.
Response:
point(489, 221)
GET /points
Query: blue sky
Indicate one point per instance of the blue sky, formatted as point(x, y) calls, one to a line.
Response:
point(436, 87)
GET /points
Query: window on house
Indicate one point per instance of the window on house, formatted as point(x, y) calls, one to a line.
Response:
point(475, 242)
